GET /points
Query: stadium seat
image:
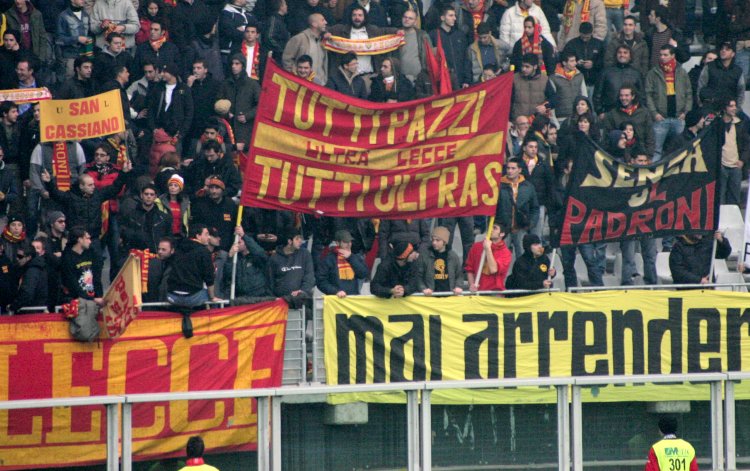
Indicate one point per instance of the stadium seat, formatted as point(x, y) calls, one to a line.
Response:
point(730, 216)
point(663, 273)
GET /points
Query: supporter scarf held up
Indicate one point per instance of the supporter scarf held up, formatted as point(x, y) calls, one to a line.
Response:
point(669, 72)
point(61, 165)
point(569, 12)
point(145, 256)
point(365, 47)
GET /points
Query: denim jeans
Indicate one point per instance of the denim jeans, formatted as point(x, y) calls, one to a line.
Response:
point(516, 243)
point(742, 59)
point(615, 18)
point(538, 228)
point(730, 183)
point(668, 127)
point(595, 258)
point(648, 253)
point(188, 300)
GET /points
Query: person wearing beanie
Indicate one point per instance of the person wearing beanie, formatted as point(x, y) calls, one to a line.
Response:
point(497, 258)
point(438, 269)
point(171, 106)
point(177, 204)
point(395, 277)
point(216, 210)
point(243, 94)
point(533, 269)
point(695, 121)
point(13, 236)
point(341, 270)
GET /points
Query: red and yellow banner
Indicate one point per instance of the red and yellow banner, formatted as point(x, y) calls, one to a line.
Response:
point(84, 118)
point(25, 95)
point(123, 298)
point(233, 348)
point(318, 151)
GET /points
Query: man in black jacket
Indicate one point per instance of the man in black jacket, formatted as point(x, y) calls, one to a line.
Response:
point(213, 162)
point(204, 89)
point(455, 45)
point(80, 85)
point(33, 287)
point(690, 258)
point(345, 79)
point(590, 53)
point(396, 274)
point(144, 225)
point(533, 269)
point(192, 269)
point(171, 105)
point(81, 280)
point(158, 50)
point(216, 211)
point(251, 281)
point(606, 93)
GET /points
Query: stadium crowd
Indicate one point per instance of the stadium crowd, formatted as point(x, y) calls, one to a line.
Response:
point(189, 71)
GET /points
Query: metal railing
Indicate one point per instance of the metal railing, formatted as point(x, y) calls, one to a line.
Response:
point(418, 411)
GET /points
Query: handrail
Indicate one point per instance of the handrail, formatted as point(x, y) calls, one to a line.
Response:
point(574, 289)
point(61, 402)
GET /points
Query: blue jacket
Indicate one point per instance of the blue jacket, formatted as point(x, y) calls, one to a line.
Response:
point(328, 274)
point(69, 28)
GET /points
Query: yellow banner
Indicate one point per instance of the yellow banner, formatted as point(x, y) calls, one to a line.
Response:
point(85, 118)
point(371, 340)
point(123, 298)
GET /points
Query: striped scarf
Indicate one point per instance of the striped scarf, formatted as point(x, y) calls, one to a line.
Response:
point(255, 60)
point(569, 12)
point(560, 71)
point(346, 272)
point(7, 235)
point(629, 110)
point(669, 73)
point(158, 43)
point(534, 45)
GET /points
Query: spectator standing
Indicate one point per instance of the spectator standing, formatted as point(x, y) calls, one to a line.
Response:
point(114, 16)
point(628, 36)
point(24, 17)
point(32, 272)
point(617, 11)
point(185, 17)
point(213, 162)
point(497, 258)
point(629, 109)
point(73, 36)
point(216, 211)
point(112, 55)
point(518, 207)
point(191, 281)
point(413, 54)
point(533, 269)
point(275, 33)
point(669, 98)
point(735, 153)
point(80, 85)
point(663, 33)
point(414, 231)
point(391, 86)
point(438, 269)
point(578, 12)
point(291, 272)
point(395, 277)
point(511, 24)
point(232, 22)
point(568, 84)
point(722, 79)
point(487, 51)
point(13, 236)
point(8, 191)
point(538, 173)
point(250, 49)
point(159, 270)
point(158, 50)
point(204, 89)
point(345, 79)
point(341, 271)
point(691, 257)
point(171, 106)
point(26, 71)
point(454, 44)
point(532, 92)
point(308, 43)
point(589, 51)
point(80, 270)
point(205, 47)
point(374, 12)
point(532, 42)
point(695, 72)
point(243, 94)
point(251, 278)
point(613, 78)
point(299, 19)
point(146, 224)
point(177, 205)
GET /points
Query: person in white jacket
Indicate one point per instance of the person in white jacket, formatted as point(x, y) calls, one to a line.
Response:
point(114, 16)
point(511, 24)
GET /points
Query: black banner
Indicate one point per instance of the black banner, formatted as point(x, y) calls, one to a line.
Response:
point(608, 200)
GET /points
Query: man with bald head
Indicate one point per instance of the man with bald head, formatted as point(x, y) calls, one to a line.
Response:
point(309, 42)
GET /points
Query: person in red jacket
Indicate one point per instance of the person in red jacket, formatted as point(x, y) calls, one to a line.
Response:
point(497, 258)
point(671, 453)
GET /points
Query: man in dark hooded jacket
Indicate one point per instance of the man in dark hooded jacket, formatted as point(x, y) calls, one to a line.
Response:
point(533, 269)
point(690, 258)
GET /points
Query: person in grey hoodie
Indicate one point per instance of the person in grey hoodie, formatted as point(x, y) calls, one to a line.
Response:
point(291, 273)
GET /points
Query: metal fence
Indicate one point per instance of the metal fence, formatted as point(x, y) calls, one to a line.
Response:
point(419, 414)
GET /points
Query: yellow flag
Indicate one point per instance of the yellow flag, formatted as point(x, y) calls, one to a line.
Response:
point(123, 298)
